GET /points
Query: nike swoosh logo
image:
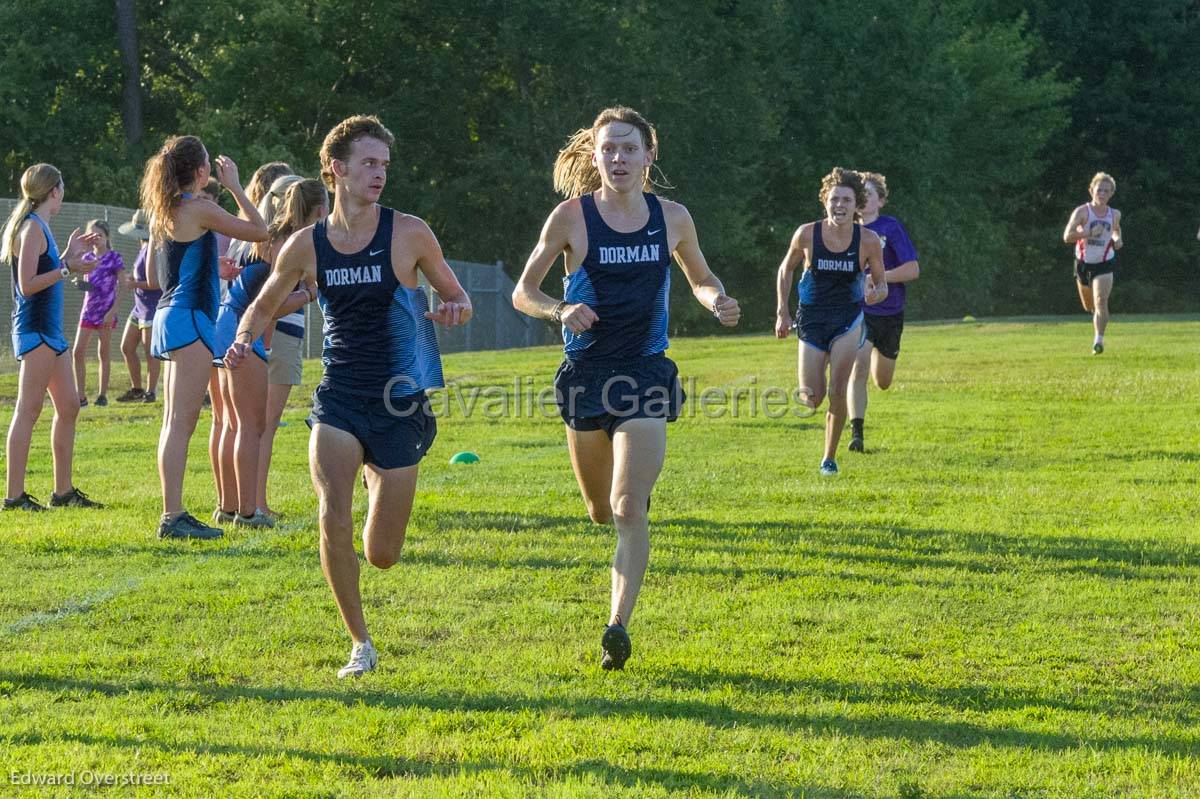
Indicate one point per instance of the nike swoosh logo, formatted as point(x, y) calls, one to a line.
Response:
point(652, 232)
point(373, 253)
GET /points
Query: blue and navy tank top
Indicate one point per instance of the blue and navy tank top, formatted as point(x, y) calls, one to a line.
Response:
point(190, 278)
point(376, 336)
point(245, 287)
point(41, 313)
point(626, 279)
point(833, 279)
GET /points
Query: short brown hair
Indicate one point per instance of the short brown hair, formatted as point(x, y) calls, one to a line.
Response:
point(844, 178)
point(341, 138)
point(878, 181)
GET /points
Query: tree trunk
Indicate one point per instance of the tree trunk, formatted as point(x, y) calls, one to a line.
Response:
point(131, 93)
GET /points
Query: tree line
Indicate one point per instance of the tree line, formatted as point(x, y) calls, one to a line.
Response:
point(987, 118)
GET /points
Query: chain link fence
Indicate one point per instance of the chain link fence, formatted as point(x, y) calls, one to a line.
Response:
point(495, 325)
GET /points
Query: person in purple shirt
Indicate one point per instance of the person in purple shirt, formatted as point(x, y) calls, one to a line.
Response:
point(99, 312)
point(885, 321)
point(139, 327)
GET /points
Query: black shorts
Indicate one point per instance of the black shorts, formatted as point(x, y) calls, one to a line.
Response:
point(884, 333)
point(1085, 272)
point(393, 434)
point(819, 326)
point(603, 395)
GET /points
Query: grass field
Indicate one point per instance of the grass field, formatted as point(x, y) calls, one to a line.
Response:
point(997, 600)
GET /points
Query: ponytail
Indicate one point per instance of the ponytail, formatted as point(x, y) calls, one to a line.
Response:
point(291, 212)
point(167, 172)
point(36, 184)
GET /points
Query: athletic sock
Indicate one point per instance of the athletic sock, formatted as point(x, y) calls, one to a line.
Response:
point(856, 427)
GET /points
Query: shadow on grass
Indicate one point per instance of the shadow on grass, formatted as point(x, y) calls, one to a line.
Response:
point(905, 548)
point(978, 551)
point(961, 698)
point(956, 734)
point(385, 766)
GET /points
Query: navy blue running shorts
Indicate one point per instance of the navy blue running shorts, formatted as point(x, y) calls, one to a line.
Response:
point(819, 327)
point(604, 395)
point(393, 434)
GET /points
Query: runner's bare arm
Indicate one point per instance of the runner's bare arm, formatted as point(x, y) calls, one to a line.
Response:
point(555, 240)
point(1074, 230)
point(706, 287)
point(877, 289)
point(455, 306)
point(793, 259)
point(296, 261)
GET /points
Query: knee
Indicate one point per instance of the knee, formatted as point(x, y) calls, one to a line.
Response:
point(26, 414)
point(335, 523)
point(600, 513)
point(68, 414)
point(382, 557)
point(629, 511)
point(177, 421)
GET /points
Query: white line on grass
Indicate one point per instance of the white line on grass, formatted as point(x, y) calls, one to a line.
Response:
point(77, 606)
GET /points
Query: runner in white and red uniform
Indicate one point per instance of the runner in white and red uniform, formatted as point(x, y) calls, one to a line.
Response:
point(1095, 230)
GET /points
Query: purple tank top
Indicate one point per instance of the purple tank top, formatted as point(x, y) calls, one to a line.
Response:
point(145, 301)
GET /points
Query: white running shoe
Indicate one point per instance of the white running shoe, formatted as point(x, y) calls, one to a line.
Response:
point(363, 658)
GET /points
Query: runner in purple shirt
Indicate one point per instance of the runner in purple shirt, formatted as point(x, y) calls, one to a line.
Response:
point(99, 312)
point(139, 327)
point(885, 321)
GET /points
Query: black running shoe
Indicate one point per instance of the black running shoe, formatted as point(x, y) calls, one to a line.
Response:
point(186, 526)
point(24, 502)
point(856, 444)
point(615, 646)
point(73, 499)
point(133, 395)
point(101, 401)
point(149, 397)
point(1097, 348)
point(82, 401)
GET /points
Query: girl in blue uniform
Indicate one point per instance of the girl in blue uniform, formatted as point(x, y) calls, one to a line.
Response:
point(185, 229)
point(834, 252)
point(29, 249)
point(616, 388)
point(380, 355)
point(244, 390)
